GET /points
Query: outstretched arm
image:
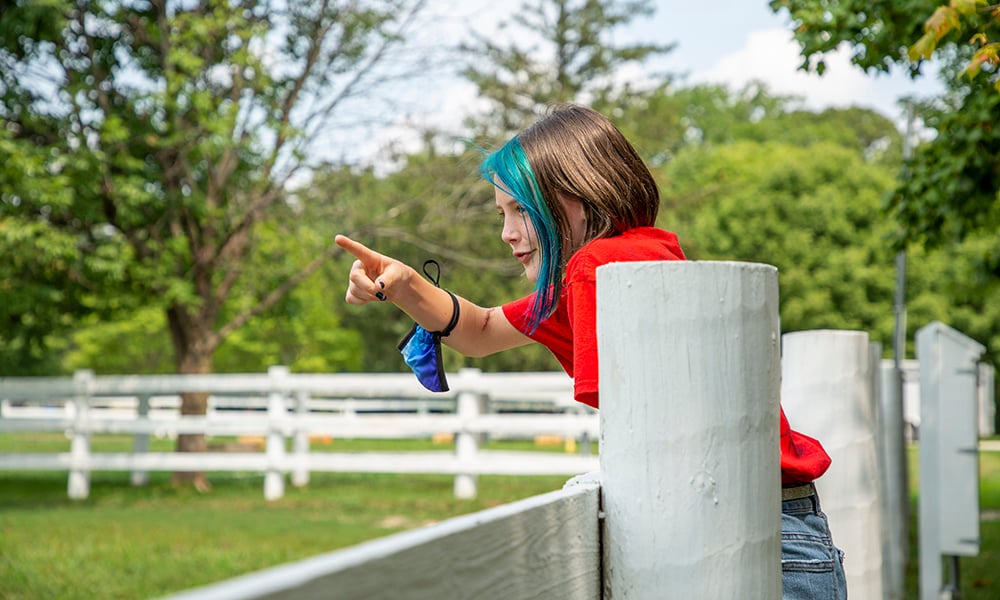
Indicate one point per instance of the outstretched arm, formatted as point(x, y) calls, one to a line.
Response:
point(375, 277)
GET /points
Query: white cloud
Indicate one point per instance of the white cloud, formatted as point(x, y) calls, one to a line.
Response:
point(772, 56)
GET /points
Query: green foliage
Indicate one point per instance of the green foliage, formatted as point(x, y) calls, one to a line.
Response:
point(301, 331)
point(878, 32)
point(804, 192)
point(46, 281)
point(161, 136)
point(812, 211)
point(963, 16)
point(666, 120)
point(136, 343)
point(174, 201)
point(951, 190)
point(950, 285)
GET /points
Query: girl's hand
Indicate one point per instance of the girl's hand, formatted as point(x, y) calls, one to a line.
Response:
point(373, 276)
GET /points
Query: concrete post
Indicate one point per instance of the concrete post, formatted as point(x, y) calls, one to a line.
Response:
point(826, 390)
point(689, 381)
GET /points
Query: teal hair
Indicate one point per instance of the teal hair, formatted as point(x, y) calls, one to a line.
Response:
point(508, 169)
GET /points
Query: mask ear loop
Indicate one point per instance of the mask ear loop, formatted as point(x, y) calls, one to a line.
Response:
point(436, 279)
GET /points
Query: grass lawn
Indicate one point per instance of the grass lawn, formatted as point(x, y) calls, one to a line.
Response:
point(126, 542)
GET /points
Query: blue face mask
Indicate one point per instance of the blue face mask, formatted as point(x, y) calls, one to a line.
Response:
point(421, 349)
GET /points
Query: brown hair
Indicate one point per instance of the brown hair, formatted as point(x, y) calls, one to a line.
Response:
point(578, 151)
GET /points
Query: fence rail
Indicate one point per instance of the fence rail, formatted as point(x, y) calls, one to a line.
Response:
point(281, 406)
point(547, 546)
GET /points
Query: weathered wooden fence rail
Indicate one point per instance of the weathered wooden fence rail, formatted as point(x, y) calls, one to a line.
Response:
point(543, 547)
point(282, 407)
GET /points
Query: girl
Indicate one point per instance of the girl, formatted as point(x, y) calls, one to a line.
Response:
point(574, 195)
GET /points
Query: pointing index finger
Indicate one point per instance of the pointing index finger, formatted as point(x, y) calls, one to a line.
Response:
point(366, 255)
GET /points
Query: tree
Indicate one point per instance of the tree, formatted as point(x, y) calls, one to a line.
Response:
point(804, 191)
point(571, 58)
point(171, 131)
point(812, 211)
point(964, 15)
point(45, 282)
point(950, 189)
point(300, 331)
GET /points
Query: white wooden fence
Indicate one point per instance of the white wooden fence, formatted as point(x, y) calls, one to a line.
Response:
point(280, 406)
point(684, 504)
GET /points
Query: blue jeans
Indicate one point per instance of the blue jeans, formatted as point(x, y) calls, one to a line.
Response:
point(811, 566)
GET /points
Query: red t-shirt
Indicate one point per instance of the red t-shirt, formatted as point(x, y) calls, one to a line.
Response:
point(570, 332)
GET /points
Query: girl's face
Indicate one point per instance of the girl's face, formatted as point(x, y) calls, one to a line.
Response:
point(519, 233)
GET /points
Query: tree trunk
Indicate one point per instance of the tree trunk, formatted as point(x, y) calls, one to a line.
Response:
point(194, 344)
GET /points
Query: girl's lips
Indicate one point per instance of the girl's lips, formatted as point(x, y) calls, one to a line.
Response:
point(524, 257)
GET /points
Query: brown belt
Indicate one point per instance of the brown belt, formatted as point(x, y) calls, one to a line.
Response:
point(796, 492)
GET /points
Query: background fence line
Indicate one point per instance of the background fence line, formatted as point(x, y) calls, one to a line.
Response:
point(281, 406)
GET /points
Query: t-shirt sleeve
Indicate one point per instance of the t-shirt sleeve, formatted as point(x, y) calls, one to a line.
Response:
point(582, 308)
point(803, 458)
point(553, 332)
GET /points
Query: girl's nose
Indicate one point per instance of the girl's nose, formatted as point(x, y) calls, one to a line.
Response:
point(509, 233)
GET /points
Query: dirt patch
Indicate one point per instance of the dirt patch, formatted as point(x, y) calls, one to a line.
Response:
point(401, 522)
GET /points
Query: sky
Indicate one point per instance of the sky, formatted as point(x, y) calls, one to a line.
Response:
point(724, 41)
point(735, 41)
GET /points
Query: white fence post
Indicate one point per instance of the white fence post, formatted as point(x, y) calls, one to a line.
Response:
point(78, 487)
point(469, 405)
point(300, 441)
point(689, 382)
point(949, 457)
point(140, 441)
point(277, 413)
point(826, 390)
